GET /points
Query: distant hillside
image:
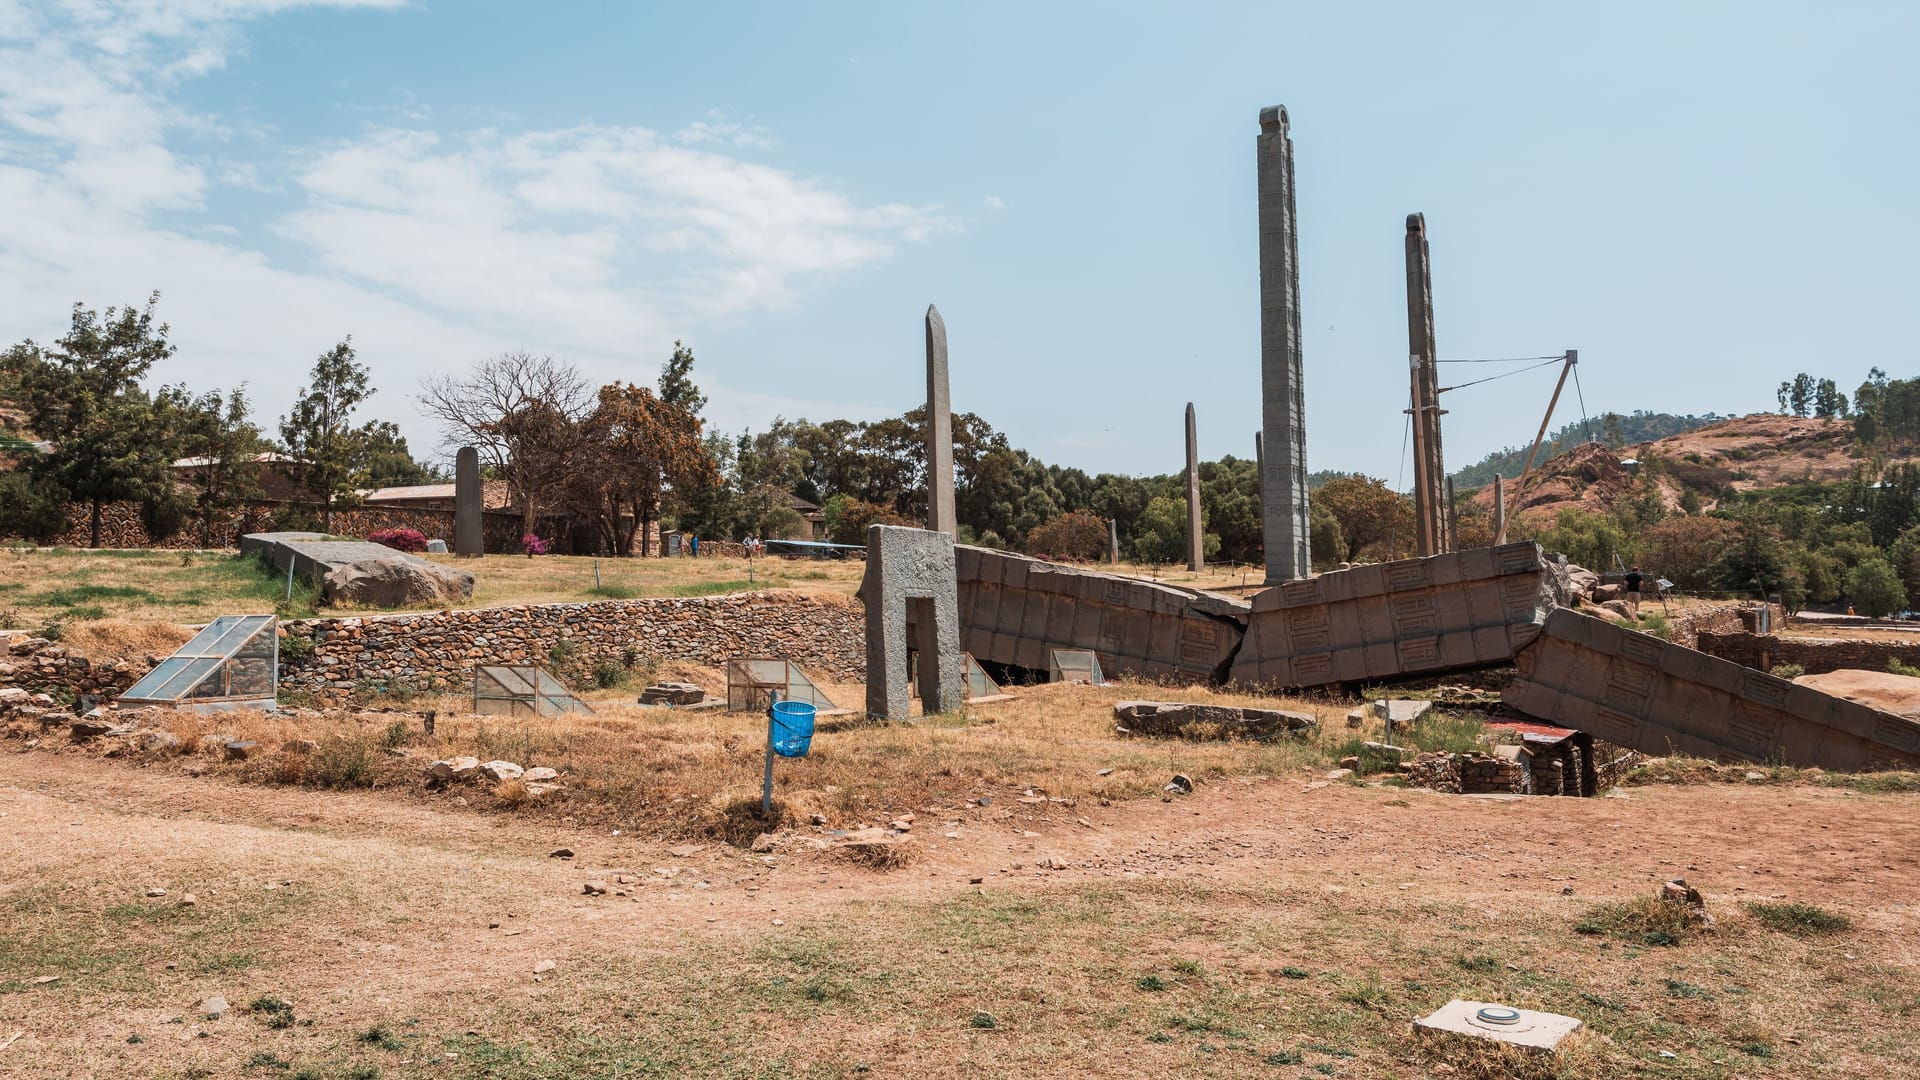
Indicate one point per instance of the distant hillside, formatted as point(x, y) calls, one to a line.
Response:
point(1615, 429)
point(1701, 465)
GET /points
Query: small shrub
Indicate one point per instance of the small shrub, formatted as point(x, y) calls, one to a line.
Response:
point(272, 1011)
point(983, 1020)
point(1677, 988)
point(533, 545)
point(295, 648)
point(1294, 972)
point(341, 763)
point(513, 794)
point(608, 675)
point(264, 1059)
point(1151, 982)
point(412, 540)
point(1787, 671)
point(396, 735)
point(1283, 1057)
point(1801, 919)
point(562, 651)
point(382, 1038)
point(1647, 919)
point(1895, 667)
point(1656, 625)
point(1481, 964)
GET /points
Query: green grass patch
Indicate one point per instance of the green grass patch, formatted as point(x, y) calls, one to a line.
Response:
point(76, 595)
point(1802, 919)
point(713, 588)
point(613, 592)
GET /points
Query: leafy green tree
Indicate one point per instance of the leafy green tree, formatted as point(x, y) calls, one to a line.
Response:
point(221, 446)
point(1076, 534)
point(1373, 518)
point(1757, 562)
point(677, 387)
point(1874, 588)
point(318, 432)
point(1162, 533)
point(1588, 539)
point(83, 394)
point(385, 460)
point(1325, 541)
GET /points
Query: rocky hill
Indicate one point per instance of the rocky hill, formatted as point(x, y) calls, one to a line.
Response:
point(1764, 450)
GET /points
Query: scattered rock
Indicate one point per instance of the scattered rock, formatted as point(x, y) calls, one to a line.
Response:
point(683, 851)
point(395, 581)
point(156, 891)
point(1679, 893)
point(188, 900)
point(544, 966)
point(762, 844)
point(159, 742)
point(214, 1007)
point(1181, 784)
point(594, 888)
point(1183, 720)
point(86, 730)
point(299, 746)
point(900, 825)
point(501, 770)
point(540, 775)
point(1339, 774)
point(560, 853)
point(241, 751)
point(459, 768)
point(672, 693)
point(215, 743)
point(1899, 694)
point(1350, 763)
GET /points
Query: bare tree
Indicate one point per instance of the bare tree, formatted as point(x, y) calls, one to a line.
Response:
point(523, 413)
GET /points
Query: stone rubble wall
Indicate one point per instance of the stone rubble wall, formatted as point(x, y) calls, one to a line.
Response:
point(121, 526)
point(439, 649)
point(1817, 656)
point(40, 666)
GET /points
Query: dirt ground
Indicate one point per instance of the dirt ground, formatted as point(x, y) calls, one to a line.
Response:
point(1279, 925)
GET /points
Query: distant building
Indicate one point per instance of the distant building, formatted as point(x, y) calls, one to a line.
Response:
point(494, 495)
point(274, 476)
point(811, 513)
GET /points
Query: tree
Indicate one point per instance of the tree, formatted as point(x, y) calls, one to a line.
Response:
point(1076, 535)
point(1828, 401)
point(676, 382)
point(1874, 588)
point(385, 460)
point(1162, 535)
point(848, 518)
point(224, 446)
point(1685, 548)
point(522, 413)
point(637, 449)
point(1800, 394)
point(1370, 516)
point(318, 432)
point(83, 394)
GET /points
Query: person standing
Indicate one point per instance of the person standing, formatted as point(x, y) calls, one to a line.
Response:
point(1634, 581)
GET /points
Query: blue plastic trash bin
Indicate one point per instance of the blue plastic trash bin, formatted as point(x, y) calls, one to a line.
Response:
point(792, 728)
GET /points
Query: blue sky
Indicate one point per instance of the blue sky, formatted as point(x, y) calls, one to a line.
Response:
point(1702, 199)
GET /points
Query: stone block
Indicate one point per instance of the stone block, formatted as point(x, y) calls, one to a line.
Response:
point(1649, 695)
point(1537, 1032)
point(912, 568)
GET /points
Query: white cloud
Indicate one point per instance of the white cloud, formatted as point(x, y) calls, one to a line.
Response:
point(431, 248)
point(994, 202)
point(718, 129)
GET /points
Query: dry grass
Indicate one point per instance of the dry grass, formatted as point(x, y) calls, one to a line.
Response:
point(39, 586)
point(698, 774)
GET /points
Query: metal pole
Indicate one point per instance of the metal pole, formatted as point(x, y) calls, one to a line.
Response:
point(596, 573)
point(289, 579)
point(1572, 358)
point(766, 786)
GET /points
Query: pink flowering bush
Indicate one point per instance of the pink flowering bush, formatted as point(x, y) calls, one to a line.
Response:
point(533, 545)
point(400, 539)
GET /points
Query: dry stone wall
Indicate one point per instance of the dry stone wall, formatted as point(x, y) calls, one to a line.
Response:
point(338, 657)
point(41, 666)
point(1816, 656)
point(121, 526)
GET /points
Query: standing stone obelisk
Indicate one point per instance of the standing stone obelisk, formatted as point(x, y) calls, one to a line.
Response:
point(1499, 509)
point(1432, 533)
point(1196, 532)
point(940, 512)
point(469, 538)
point(1283, 473)
point(1113, 540)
